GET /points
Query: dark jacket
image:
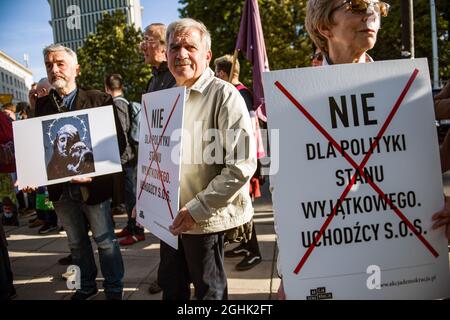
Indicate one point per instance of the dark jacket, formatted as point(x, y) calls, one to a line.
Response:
point(122, 106)
point(100, 188)
point(3, 241)
point(161, 79)
point(445, 153)
point(7, 161)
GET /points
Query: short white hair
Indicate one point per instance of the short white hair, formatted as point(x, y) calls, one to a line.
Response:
point(58, 47)
point(188, 23)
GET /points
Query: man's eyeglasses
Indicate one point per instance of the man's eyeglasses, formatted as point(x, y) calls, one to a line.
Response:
point(151, 41)
point(362, 6)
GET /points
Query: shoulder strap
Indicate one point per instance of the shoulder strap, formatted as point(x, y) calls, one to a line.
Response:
point(121, 99)
point(240, 86)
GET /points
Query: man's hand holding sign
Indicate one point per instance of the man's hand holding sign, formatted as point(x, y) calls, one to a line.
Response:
point(183, 222)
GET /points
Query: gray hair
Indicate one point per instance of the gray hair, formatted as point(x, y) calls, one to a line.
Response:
point(160, 31)
point(188, 23)
point(318, 14)
point(70, 130)
point(58, 47)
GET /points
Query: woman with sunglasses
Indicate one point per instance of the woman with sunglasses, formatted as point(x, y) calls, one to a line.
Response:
point(343, 31)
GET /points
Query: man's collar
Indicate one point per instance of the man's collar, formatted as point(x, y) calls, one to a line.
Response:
point(202, 83)
point(72, 93)
point(65, 103)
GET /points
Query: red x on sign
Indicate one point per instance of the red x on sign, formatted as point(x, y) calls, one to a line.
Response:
point(155, 149)
point(359, 169)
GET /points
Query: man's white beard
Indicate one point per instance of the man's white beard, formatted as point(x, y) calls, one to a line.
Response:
point(59, 84)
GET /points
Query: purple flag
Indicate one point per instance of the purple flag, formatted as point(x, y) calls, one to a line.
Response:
point(251, 42)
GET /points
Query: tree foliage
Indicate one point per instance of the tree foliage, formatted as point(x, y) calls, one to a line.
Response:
point(114, 49)
point(389, 42)
point(287, 43)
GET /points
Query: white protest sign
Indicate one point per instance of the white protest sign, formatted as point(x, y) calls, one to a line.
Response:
point(158, 184)
point(362, 248)
point(56, 148)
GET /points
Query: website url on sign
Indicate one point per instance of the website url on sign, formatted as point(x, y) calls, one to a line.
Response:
point(409, 281)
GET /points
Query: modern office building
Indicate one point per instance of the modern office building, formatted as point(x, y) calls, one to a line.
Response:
point(15, 79)
point(73, 20)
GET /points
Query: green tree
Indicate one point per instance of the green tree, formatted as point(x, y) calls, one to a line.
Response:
point(389, 42)
point(114, 49)
point(443, 7)
point(287, 43)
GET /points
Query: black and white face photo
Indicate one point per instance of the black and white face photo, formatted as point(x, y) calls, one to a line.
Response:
point(68, 148)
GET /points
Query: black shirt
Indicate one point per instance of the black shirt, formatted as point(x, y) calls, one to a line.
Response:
point(161, 79)
point(247, 95)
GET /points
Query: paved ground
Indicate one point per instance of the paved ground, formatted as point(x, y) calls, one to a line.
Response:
point(37, 275)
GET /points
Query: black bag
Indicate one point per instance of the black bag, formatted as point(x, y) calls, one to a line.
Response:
point(134, 110)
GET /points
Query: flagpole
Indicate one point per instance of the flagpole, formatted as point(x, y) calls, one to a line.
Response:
point(436, 82)
point(233, 64)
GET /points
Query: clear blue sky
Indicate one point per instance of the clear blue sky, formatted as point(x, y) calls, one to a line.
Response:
point(24, 27)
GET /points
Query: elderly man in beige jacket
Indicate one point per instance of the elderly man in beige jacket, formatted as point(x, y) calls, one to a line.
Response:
point(214, 186)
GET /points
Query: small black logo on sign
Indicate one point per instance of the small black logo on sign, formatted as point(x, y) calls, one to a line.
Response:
point(141, 214)
point(319, 294)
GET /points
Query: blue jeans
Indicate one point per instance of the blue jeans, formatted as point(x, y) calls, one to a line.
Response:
point(77, 218)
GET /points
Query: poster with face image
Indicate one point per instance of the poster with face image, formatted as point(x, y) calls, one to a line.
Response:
point(56, 148)
point(68, 147)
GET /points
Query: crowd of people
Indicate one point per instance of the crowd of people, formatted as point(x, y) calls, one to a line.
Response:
point(214, 197)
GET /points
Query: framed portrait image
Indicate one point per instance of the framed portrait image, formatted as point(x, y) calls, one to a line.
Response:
point(56, 148)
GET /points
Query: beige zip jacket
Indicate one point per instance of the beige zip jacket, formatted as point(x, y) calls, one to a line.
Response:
point(218, 156)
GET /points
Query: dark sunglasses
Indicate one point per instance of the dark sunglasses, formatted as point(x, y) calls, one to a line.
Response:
point(361, 6)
